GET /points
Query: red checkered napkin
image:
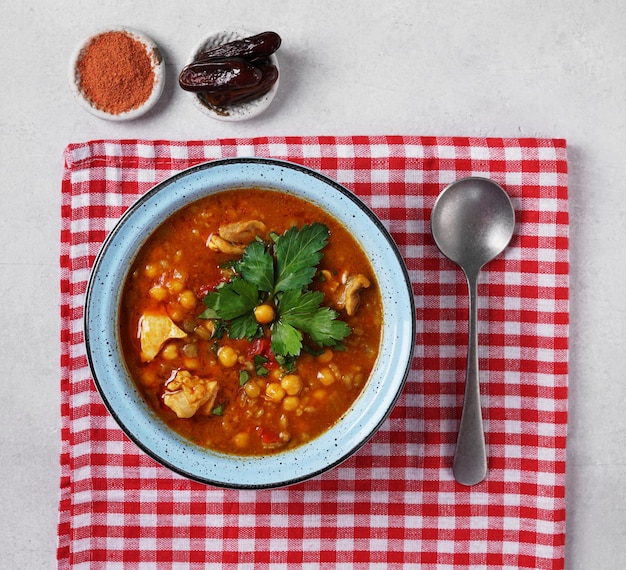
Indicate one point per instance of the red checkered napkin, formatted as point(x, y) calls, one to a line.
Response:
point(395, 503)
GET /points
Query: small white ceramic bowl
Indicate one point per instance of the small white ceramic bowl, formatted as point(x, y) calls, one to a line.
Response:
point(133, 414)
point(158, 66)
point(236, 111)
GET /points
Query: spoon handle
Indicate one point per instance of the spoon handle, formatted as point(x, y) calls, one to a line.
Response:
point(470, 457)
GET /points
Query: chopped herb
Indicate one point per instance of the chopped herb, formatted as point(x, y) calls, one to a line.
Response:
point(218, 410)
point(279, 272)
point(244, 376)
point(259, 361)
point(287, 363)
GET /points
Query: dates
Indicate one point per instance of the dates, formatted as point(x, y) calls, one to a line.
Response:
point(269, 76)
point(251, 49)
point(234, 72)
point(215, 76)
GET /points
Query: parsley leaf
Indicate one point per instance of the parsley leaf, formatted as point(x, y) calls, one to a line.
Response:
point(278, 273)
point(257, 266)
point(286, 339)
point(297, 254)
point(244, 326)
point(302, 311)
point(233, 299)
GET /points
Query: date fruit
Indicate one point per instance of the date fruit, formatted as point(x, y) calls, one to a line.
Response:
point(225, 98)
point(218, 75)
point(251, 49)
point(233, 72)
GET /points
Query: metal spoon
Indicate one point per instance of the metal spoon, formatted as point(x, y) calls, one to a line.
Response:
point(472, 222)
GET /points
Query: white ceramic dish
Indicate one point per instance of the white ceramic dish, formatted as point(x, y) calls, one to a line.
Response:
point(158, 66)
point(128, 407)
point(237, 111)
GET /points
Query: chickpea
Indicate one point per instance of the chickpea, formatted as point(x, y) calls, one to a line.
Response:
point(151, 270)
point(227, 356)
point(252, 390)
point(241, 440)
point(326, 376)
point(264, 314)
point(158, 293)
point(175, 311)
point(325, 357)
point(148, 377)
point(170, 352)
point(175, 285)
point(274, 392)
point(291, 403)
point(191, 363)
point(319, 394)
point(187, 299)
point(292, 384)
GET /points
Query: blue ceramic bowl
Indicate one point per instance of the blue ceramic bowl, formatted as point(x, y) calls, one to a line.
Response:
point(123, 399)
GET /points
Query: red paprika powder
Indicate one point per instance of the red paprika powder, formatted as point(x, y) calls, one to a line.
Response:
point(115, 72)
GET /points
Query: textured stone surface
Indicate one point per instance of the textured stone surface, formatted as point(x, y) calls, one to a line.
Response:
point(474, 68)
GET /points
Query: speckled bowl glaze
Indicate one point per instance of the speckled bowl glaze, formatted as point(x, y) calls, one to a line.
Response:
point(158, 66)
point(237, 111)
point(118, 390)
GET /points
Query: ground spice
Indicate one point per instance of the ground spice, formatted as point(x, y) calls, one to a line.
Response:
point(115, 72)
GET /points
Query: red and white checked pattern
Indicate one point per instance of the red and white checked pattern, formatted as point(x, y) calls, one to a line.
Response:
point(394, 504)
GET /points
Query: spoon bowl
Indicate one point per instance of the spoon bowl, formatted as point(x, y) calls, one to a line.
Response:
point(472, 222)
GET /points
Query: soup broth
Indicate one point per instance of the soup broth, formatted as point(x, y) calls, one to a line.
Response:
point(240, 384)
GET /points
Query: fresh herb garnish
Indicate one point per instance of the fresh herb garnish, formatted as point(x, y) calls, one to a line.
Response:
point(244, 376)
point(278, 273)
point(259, 365)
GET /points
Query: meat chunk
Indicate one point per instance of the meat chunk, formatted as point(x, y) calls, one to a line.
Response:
point(242, 232)
point(217, 243)
point(350, 297)
point(233, 238)
point(155, 328)
point(186, 393)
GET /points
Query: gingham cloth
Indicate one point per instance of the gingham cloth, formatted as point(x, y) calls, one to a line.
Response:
point(395, 503)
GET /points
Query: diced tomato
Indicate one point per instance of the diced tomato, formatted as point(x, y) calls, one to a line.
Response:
point(207, 288)
point(263, 347)
point(267, 437)
point(260, 346)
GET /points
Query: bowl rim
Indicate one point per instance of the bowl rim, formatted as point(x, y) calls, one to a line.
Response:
point(120, 395)
point(158, 66)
